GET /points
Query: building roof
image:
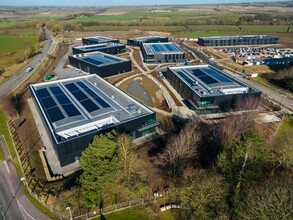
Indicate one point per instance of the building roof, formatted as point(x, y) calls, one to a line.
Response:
point(99, 58)
point(92, 47)
point(76, 106)
point(237, 37)
point(100, 39)
point(206, 80)
point(146, 38)
point(161, 48)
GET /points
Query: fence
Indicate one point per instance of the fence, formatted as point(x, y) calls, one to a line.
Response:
point(120, 206)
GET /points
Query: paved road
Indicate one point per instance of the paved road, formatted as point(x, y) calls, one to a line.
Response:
point(14, 204)
point(285, 100)
point(12, 83)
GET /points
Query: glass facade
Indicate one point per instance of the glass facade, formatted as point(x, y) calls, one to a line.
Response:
point(148, 122)
point(148, 131)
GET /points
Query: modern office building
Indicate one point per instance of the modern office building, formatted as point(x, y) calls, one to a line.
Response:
point(98, 40)
point(109, 48)
point(99, 63)
point(209, 90)
point(148, 39)
point(237, 40)
point(162, 53)
point(74, 110)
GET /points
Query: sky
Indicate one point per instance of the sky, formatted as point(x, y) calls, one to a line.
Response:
point(113, 2)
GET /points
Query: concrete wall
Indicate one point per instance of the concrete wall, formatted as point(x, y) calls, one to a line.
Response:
point(103, 70)
point(109, 50)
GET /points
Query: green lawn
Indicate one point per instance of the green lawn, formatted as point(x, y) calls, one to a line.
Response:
point(15, 43)
point(4, 131)
point(140, 214)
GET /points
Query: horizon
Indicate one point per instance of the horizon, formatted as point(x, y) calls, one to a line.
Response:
point(122, 3)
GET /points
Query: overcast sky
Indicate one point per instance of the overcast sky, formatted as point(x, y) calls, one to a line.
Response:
point(112, 2)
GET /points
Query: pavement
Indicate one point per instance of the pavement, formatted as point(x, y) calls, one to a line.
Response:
point(14, 204)
point(18, 78)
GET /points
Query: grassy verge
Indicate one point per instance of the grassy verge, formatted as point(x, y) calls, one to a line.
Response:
point(139, 213)
point(4, 131)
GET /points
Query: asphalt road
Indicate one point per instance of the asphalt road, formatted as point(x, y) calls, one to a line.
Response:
point(18, 78)
point(279, 97)
point(9, 209)
point(14, 204)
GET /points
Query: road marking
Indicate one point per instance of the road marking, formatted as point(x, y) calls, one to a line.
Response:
point(22, 208)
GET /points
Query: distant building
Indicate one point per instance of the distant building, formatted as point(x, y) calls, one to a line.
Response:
point(148, 39)
point(162, 53)
point(98, 40)
point(99, 63)
point(74, 110)
point(237, 40)
point(209, 90)
point(109, 48)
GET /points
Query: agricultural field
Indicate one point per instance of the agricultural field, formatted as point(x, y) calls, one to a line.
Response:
point(15, 43)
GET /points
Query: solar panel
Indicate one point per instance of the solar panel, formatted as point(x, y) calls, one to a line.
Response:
point(156, 48)
point(62, 99)
point(71, 110)
point(168, 47)
point(198, 73)
point(185, 77)
point(93, 61)
point(93, 95)
point(217, 75)
point(42, 93)
point(56, 90)
point(48, 102)
point(79, 95)
point(89, 105)
point(54, 114)
point(71, 87)
point(207, 79)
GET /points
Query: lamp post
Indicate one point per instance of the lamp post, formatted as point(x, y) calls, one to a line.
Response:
point(22, 179)
point(69, 210)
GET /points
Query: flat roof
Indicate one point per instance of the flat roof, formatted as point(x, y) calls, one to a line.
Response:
point(145, 38)
point(91, 47)
point(100, 39)
point(76, 106)
point(161, 48)
point(241, 36)
point(99, 58)
point(206, 80)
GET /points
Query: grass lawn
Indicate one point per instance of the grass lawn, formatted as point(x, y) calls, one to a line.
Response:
point(14, 43)
point(139, 214)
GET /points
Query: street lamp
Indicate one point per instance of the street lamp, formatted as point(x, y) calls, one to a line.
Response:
point(69, 210)
point(22, 179)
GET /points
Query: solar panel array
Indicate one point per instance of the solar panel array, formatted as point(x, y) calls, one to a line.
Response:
point(158, 48)
point(209, 76)
point(58, 106)
point(98, 60)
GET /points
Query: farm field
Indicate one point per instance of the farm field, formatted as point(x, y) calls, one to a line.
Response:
point(15, 43)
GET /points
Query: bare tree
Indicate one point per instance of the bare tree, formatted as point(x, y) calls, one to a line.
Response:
point(179, 150)
point(240, 121)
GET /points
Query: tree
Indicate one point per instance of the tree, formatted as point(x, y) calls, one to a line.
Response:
point(99, 163)
point(271, 199)
point(244, 158)
point(128, 160)
point(204, 196)
point(179, 151)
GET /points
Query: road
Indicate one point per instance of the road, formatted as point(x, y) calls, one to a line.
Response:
point(14, 204)
point(281, 98)
point(18, 78)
